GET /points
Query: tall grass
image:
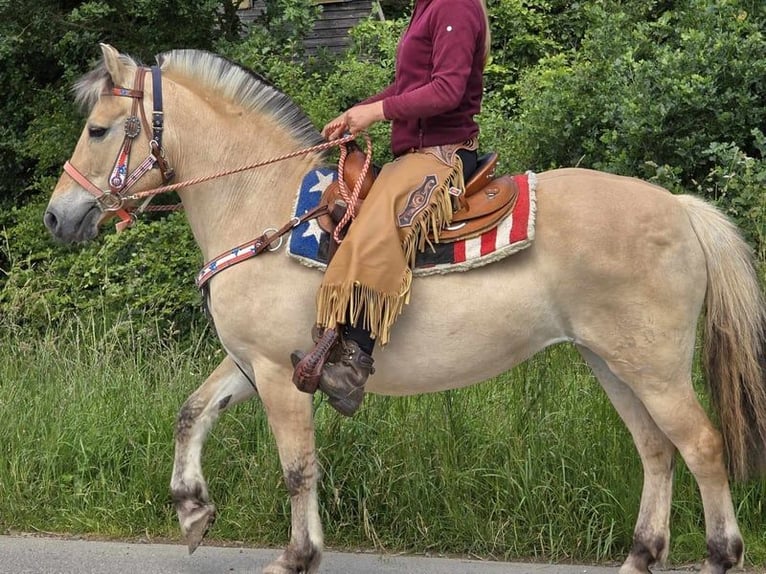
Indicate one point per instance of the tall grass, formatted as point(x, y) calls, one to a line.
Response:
point(533, 464)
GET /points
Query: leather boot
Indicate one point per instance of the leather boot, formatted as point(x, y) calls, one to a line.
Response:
point(343, 380)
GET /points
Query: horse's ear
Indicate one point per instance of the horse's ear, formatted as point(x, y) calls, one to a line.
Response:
point(114, 65)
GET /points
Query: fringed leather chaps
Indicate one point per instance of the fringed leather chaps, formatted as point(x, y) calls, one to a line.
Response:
point(410, 199)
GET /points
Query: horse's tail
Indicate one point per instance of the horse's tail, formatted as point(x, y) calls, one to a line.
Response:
point(735, 338)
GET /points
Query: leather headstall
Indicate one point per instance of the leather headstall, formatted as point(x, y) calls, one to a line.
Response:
point(120, 181)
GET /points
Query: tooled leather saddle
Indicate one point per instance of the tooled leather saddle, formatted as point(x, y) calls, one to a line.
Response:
point(484, 203)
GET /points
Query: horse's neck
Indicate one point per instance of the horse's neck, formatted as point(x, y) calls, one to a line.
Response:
point(227, 212)
point(231, 210)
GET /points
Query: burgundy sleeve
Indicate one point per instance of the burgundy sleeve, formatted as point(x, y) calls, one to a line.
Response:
point(382, 95)
point(455, 28)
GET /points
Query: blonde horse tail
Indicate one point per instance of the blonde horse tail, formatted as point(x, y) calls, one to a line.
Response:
point(735, 338)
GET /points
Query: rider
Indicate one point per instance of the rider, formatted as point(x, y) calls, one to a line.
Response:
point(436, 92)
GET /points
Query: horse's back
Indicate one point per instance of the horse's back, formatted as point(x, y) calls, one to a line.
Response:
point(595, 191)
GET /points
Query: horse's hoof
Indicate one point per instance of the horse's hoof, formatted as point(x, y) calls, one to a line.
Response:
point(303, 559)
point(710, 568)
point(198, 528)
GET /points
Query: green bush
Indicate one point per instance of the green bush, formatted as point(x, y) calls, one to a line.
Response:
point(275, 37)
point(653, 88)
point(522, 34)
point(147, 269)
point(735, 182)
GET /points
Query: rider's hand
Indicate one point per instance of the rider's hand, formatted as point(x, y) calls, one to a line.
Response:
point(359, 118)
point(335, 128)
point(355, 120)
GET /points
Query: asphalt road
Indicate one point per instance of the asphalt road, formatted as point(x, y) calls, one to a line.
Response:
point(37, 555)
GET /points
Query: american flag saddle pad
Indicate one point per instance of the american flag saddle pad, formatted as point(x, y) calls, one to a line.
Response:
point(309, 244)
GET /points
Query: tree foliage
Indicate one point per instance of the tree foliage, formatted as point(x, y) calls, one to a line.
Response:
point(45, 45)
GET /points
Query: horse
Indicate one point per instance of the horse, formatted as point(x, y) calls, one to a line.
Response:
point(620, 268)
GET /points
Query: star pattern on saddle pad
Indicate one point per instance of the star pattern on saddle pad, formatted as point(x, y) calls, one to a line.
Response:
point(313, 230)
point(316, 191)
point(323, 181)
point(304, 240)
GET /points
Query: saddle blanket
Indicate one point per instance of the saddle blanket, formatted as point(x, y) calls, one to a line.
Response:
point(309, 244)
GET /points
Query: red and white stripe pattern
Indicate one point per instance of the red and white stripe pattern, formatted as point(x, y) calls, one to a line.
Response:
point(514, 233)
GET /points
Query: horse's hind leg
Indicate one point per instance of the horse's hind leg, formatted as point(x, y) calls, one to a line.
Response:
point(676, 410)
point(660, 378)
point(225, 387)
point(652, 532)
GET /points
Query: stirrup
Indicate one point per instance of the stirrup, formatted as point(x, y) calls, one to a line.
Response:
point(308, 369)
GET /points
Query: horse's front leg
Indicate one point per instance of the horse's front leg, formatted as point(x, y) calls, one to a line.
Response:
point(225, 387)
point(292, 422)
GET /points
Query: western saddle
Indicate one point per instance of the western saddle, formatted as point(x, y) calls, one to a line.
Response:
point(484, 203)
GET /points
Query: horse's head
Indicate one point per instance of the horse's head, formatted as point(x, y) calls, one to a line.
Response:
point(96, 179)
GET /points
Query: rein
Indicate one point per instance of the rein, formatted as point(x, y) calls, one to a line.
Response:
point(189, 182)
point(263, 242)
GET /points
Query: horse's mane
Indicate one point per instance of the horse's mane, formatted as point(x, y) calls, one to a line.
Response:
point(232, 81)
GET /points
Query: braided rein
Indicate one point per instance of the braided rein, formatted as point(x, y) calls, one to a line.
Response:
point(149, 193)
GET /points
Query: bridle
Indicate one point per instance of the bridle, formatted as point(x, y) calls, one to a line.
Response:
point(120, 182)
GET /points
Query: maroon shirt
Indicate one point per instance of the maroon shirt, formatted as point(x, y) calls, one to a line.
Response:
point(439, 76)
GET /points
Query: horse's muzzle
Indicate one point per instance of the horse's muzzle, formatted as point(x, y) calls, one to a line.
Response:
point(72, 222)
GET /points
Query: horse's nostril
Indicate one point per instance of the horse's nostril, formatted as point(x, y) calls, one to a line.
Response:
point(51, 221)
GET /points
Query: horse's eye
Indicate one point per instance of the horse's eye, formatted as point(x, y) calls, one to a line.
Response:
point(96, 132)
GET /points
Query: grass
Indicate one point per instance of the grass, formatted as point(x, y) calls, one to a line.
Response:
point(534, 464)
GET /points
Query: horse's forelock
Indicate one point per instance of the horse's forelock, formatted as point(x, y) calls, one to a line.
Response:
point(88, 89)
point(90, 86)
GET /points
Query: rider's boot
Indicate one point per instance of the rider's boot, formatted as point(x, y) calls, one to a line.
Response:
point(339, 366)
point(343, 380)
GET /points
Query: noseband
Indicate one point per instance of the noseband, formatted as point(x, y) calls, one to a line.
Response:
point(120, 182)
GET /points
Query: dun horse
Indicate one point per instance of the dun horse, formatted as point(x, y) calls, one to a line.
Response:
point(619, 267)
